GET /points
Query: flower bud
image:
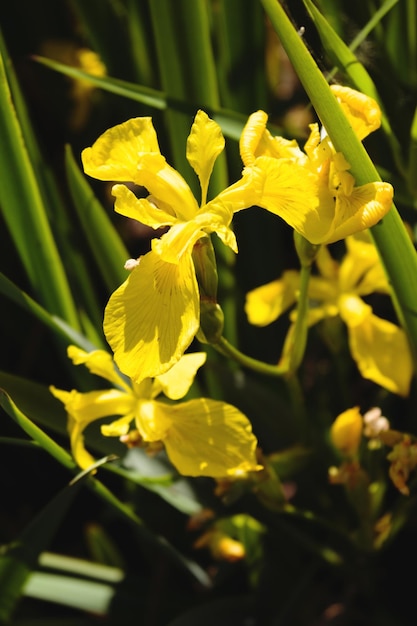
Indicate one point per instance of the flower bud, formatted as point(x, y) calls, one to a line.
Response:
point(346, 432)
point(211, 322)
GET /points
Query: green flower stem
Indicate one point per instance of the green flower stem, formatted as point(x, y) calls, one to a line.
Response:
point(294, 350)
point(226, 348)
point(390, 236)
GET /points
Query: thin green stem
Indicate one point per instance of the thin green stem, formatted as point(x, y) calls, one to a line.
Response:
point(226, 348)
point(295, 344)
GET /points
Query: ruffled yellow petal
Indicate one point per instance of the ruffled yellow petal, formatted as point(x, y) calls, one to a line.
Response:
point(366, 206)
point(289, 191)
point(140, 209)
point(266, 303)
point(204, 144)
point(346, 431)
point(152, 318)
point(99, 362)
point(251, 136)
point(116, 153)
point(176, 382)
point(256, 141)
point(379, 347)
point(210, 438)
point(362, 111)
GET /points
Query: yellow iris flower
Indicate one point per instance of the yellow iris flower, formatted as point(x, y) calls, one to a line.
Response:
point(152, 318)
point(341, 208)
point(202, 437)
point(379, 347)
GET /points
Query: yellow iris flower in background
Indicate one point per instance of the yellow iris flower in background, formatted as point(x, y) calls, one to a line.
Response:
point(379, 347)
point(153, 317)
point(341, 208)
point(202, 437)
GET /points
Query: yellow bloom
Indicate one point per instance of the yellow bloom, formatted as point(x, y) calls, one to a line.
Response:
point(346, 432)
point(152, 318)
point(340, 209)
point(379, 347)
point(202, 437)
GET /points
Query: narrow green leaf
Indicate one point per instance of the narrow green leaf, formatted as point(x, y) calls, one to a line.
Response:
point(24, 209)
point(56, 324)
point(81, 567)
point(78, 593)
point(231, 122)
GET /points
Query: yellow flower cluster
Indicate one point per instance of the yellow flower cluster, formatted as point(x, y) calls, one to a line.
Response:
point(152, 318)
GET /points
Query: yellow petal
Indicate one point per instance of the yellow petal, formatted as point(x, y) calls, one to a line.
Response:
point(210, 438)
point(251, 136)
point(256, 141)
point(204, 144)
point(266, 303)
point(99, 362)
point(290, 191)
point(362, 209)
point(82, 457)
point(182, 236)
point(379, 347)
point(116, 153)
point(140, 209)
point(346, 431)
point(361, 269)
point(362, 111)
point(243, 194)
point(118, 427)
point(166, 186)
point(176, 382)
point(152, 318)
point(326, 264)
point(178, 241)
point(85, 408)
point(153, 420)
point(92, 405)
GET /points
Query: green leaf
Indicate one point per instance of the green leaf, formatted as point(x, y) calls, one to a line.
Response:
point(25, 210)
point(20, 558)
point(55, 323)
point(78, 593)
point(231, 122)
point(149, 541)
